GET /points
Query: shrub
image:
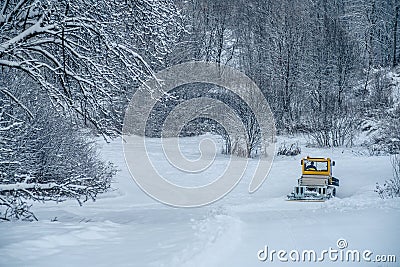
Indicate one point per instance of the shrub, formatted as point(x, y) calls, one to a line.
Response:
point(291, 150)
point(45, 157)
point(391, 188)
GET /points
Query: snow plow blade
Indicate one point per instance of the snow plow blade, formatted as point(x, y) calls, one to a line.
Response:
point(306, 200)
point(312, 193)
point(307, 197)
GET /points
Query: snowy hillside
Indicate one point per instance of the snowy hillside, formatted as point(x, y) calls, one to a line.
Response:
point(126, 227)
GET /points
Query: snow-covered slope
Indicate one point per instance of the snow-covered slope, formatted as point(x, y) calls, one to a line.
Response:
point(125, 227)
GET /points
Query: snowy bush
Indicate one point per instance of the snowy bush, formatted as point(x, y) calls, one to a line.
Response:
point(332, 130)
point(387, 137)
point(381, 121)
point(391, 188)
point(44, 156)
point(291, 150)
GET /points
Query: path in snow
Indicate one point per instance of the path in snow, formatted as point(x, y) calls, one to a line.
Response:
point(127, 228)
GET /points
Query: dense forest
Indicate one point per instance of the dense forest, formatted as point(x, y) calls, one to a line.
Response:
point(328, 69)
point(322, 65)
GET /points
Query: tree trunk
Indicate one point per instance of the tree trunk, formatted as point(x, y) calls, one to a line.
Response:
point(396, 16)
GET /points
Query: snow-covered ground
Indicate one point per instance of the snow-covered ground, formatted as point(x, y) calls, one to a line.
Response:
point(126, 227)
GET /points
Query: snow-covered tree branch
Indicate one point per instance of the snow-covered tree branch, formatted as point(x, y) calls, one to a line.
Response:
point(63, 63)
point(84, 54)
point(43, 156)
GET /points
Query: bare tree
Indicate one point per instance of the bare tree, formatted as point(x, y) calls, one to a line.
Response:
point(83, 54)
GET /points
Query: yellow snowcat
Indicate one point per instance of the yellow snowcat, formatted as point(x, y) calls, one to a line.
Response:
point(316, 182)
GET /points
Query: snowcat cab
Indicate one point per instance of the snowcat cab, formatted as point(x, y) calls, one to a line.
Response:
point(316, 182)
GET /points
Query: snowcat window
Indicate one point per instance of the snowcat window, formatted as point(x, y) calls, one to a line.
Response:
point(310, 165)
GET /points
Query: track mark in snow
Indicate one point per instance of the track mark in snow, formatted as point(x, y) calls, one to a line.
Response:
point(52, 243)
point(216, 238)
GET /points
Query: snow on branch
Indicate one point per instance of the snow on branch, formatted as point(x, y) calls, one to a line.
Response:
point(15, 99)
point(66, 60)
point(80, 53)
point(74, 188)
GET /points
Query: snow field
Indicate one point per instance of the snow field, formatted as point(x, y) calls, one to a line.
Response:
point(125, 227)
